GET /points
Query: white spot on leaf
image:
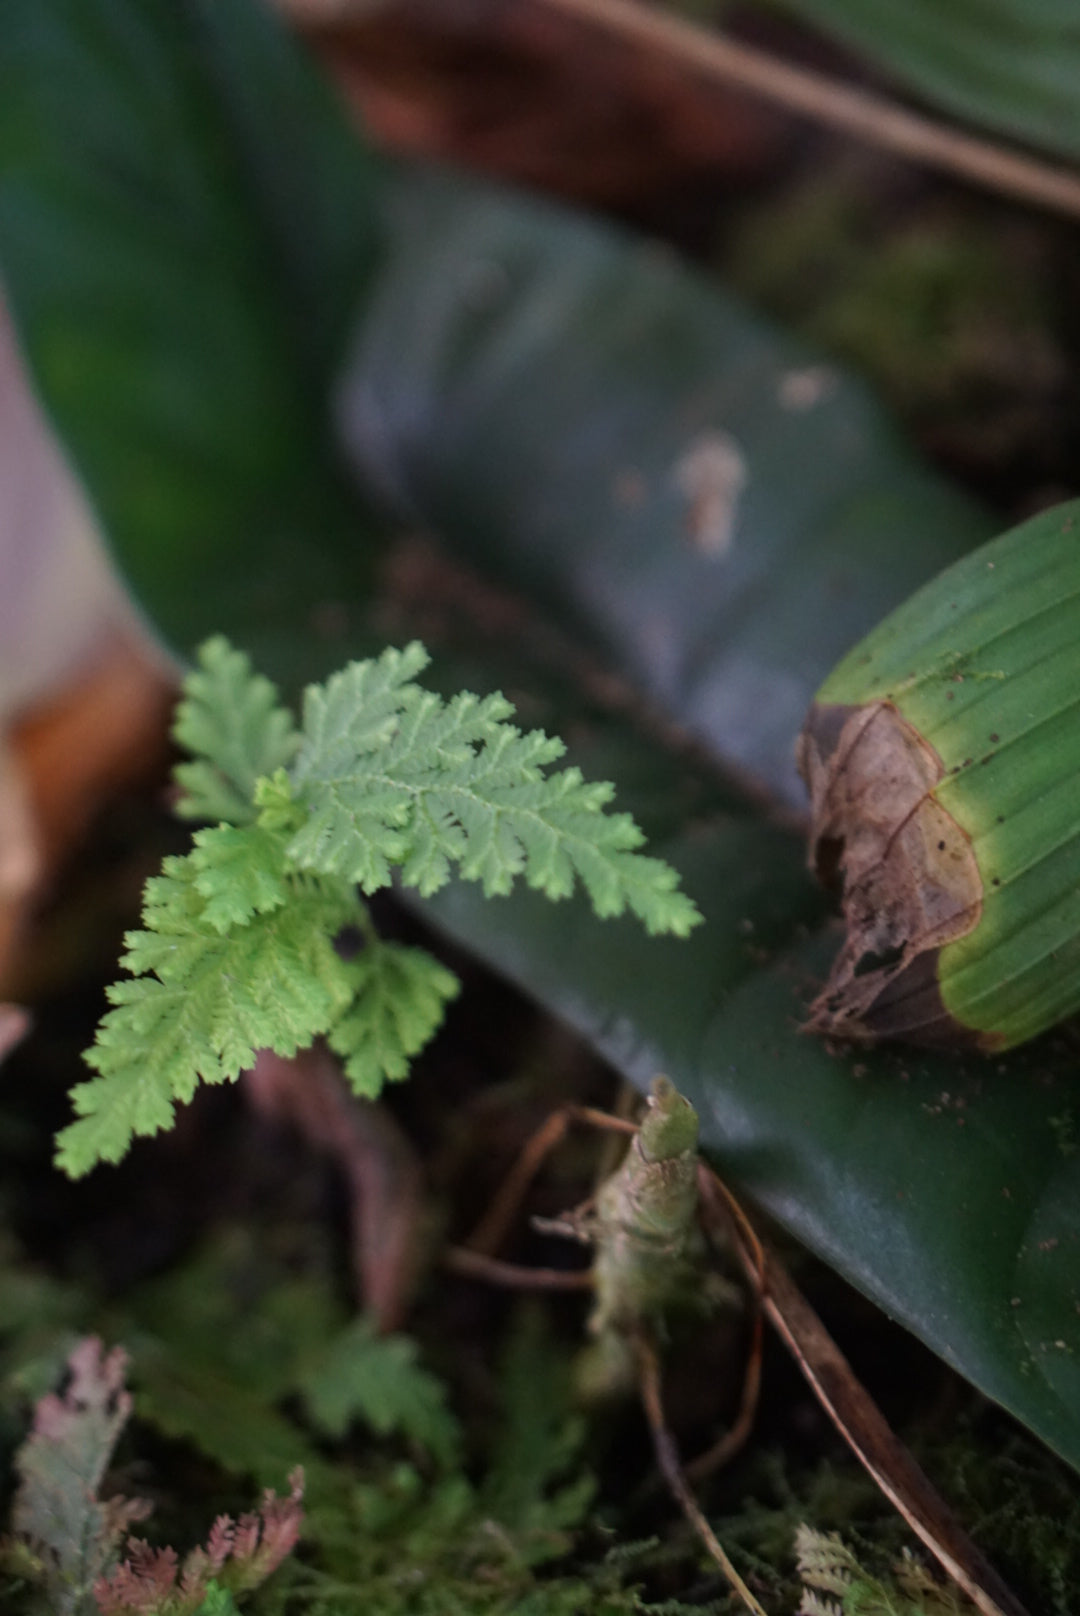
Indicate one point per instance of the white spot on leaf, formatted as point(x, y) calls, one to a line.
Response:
point(802, 389)
point(711, 474)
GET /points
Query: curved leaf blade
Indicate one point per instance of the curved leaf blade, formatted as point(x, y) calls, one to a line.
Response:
point(147, 225)
point(1009, 64)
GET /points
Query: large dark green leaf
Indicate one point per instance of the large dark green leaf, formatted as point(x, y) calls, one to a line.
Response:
point(228, 300)
point(530, 384)
point(1010, 64)
point(540, 389)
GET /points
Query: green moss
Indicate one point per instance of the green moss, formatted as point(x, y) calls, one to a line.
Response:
point(943, 306)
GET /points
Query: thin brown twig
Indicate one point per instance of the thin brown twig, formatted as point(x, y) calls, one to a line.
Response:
point(519, 1276)
point(491, 1231)
point(869, 117)
point(711, 1187)
point(602, 1119)
point(734, 1438)
point(667, 1457)
point(861, 1423)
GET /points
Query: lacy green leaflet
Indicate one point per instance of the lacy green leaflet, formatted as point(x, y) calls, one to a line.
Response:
point(239, 949)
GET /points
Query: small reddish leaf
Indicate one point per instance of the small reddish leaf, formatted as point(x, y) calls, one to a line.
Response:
point(60, 1467)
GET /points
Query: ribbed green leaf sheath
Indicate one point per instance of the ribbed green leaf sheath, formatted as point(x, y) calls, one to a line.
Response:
point(943, 760)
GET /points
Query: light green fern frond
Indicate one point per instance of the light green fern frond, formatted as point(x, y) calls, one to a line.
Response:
point(815, 1604)
point(379, 1379)
point(535, 1485)
point(826, 1566)
point(357, 711)
point(231, 720)
point(238, 947)
point(835, 1584)
point(239, 872)
point(203, 1003)
point(427, 785)
point(400, 996)
point(928, 1596)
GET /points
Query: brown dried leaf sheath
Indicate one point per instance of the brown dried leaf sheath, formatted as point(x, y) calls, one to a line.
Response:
point(910, 880)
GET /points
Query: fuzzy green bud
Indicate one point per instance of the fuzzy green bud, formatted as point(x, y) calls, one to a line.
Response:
point(669, 1127)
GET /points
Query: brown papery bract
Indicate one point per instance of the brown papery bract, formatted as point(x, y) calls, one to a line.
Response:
point(910, 879)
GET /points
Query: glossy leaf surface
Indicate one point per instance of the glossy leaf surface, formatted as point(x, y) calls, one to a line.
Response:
point(228, 299)
point(660, 523)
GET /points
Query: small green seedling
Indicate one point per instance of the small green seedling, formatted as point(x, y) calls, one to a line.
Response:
point(646, 1226)
point(239, 949)
point(649, 1257)
point(649, 1254)
point(648, 1250)
point(645, 1230)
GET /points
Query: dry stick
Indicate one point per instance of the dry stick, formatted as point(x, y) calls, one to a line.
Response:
point(493, 1271)
point(856, 112)
point(863, 1426)
point(667, 1458)
point(490, 1232)
point(709, 1187)
point(727, 1446)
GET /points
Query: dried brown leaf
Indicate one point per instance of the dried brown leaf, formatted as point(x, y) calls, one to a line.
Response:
point(911, 882)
